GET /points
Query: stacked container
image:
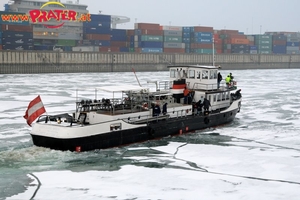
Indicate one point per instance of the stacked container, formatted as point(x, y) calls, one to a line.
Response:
point(263, 43)
point(292, 44)
point(279, 44)
point(234, 42)
point(202, 40)
point(186, 38)
point(173, 39)
point(252, 47)
point(97, 33)
point(15, 35)
point(218, 43)
point(148, 38)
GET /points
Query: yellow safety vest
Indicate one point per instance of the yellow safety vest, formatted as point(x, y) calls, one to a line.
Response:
point(227, 80)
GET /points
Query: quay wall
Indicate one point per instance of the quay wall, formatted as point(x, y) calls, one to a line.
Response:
point(26, 62)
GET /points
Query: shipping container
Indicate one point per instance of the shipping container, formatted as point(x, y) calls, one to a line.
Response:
point(100, 18)
point(41, 47)
point(19, 28)
point(17, 34)
point(279, 37)
point(263, 37)
point(264, 51)
point(238, 41)
point(172, 28)
point(203, 51)
point(293, 40)
point(263, 42)
point(124, 49)
point(292, 52)
point(279, 49)
point(97, 37)
point(240, 46)
point(148, 32)
point(186, 34)
point(172, 39)
point(86, 48)
point(66, 42)
point(174, 50)
point(13, 18)
point(253, 52)
point(172, 33)
point(201, 46)
point(109, 49)
point(122, 38)
point(186, 40)
point(17, 47)
point(293, 44)
point(147, 26)
point(117, 32)
point(186, 29)
point(96, 30)
point(155, 38)
point(279, 42)
point(200, 40)
point(265, 47)
point(253, 47)
point(18, 41)
point(291, 48)
point(203, 29)
point(100, 24)
point(118, 44)
point(228, 32)
point(173, 45)
point(148, 44)
point(151, 50)
point(240, 51)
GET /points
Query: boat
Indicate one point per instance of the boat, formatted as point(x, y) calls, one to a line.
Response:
point(132, 113)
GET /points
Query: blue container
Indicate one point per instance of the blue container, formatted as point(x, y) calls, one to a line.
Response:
point(17, 34)
point(131, 45)
point(187, 45)
point(60, 48)
point(131, 38)
point(41, 47)
point(202, 40)
point(6, 18)
point(124, 49)
point(120, 38)
point(96, 24)
point(96, 30)
point(100, 18)
point(152, 50)
point(102, 43)
point(118, 32)
point(240, 51)
point(186, 29)
point(137, 32)
point(202, 35)
point(17, 47)
point(148, 44)
point(186, 40)
point(279, 49)
point(292, 44)
point(253, 47)
point(279, 37)
point(186, 34)
point(240, 47)
point(18, 41)
point(188, 50)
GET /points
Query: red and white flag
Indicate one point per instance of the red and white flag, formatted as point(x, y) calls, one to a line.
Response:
point(34, 110)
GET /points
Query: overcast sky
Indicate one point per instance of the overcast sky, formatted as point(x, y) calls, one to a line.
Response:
point(251, 16)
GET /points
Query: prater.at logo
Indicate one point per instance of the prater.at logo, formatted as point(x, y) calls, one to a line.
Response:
point(60, 15)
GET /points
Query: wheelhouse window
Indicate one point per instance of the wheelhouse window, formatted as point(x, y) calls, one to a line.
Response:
point(198, 75)
point(191, 73)
point(116, 127)
point(213, 74)
point(204, 74)
point(172, 73)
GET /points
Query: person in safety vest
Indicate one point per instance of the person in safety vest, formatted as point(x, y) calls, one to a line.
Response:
point(186, 93)
point(228, 80)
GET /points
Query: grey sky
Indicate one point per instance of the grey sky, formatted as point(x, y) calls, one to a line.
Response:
point(250, 16)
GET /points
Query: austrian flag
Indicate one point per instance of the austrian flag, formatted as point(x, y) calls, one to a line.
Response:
point(34, 110)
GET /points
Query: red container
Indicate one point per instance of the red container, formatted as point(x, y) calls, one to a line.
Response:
point(130, 32)
point(20, 28)
point(118, 44)
point(237, 41)
point(201, 46)
point(97, 37)
point(203, 29)
point(1, 47)
point(147, 26)
point(219, 51)
point(174, 50)
point(237, 36)
point(229, 32)
point(218, 41)
point(251, 43)
point(216, 36)
point(109, 49)
point(152, 32)
point(279, 42)
point(218, 46)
